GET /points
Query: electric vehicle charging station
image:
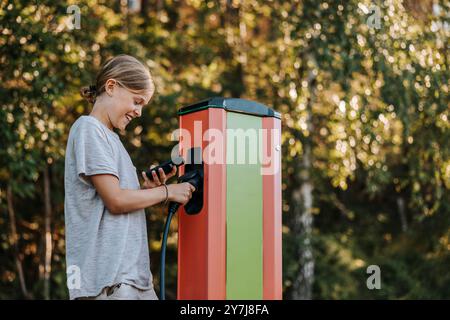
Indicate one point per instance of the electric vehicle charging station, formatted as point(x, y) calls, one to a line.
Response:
point(229, 234)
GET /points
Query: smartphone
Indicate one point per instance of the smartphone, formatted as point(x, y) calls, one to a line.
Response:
point(166, 166)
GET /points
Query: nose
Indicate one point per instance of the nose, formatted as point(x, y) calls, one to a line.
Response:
point(138, 111)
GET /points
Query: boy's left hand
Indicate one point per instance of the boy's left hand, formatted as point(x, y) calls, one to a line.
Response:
point(148, 184)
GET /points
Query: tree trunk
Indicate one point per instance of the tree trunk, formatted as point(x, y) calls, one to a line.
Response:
point(48, 233)
point(124, 13)
point(243, 48)
point(159, 7)
point(402, 214)
point(303, 202)
point(303, 223)
point(15, 239)
point(231, 19)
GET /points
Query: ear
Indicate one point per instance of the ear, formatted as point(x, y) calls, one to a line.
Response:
point(109, 86)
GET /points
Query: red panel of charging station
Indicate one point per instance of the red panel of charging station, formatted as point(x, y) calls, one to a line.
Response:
point(202, 237)
point(272, 224)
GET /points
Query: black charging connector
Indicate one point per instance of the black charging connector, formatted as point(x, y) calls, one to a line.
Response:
point(194, 205)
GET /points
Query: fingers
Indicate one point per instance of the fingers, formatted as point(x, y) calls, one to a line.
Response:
point(183, 192)
point(162, 175)
point(144, 176)
point(155, 178)
point(171, 173)
point(188, 190)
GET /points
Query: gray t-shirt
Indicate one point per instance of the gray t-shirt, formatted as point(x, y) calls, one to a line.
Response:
point(103, 249)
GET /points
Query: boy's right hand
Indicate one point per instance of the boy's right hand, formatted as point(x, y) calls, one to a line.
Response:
point(180, 192)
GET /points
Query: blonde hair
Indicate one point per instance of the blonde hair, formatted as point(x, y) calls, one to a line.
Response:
point(129, 73)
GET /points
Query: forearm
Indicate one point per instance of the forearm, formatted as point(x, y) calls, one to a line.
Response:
point(126, 200)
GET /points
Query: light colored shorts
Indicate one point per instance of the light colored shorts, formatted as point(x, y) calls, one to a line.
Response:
point(123, 291)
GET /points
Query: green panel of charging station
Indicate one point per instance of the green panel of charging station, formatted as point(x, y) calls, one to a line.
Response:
point(244, 208)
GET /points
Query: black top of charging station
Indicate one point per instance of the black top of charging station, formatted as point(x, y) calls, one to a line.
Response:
point(232, 104)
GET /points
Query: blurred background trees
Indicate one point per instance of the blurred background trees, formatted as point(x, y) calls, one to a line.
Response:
point(366, 166)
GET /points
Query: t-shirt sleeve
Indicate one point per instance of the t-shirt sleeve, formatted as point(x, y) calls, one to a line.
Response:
point(93, 152)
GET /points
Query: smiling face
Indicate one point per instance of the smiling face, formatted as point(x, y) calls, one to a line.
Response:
point(124, 105)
